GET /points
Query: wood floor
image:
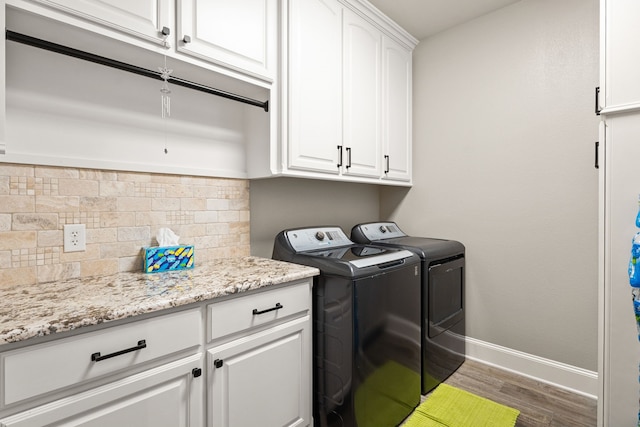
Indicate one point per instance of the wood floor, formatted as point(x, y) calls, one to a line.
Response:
point(540, 404)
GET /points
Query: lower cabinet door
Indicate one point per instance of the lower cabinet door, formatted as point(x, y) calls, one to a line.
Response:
point(167, 396)
point(263, 379)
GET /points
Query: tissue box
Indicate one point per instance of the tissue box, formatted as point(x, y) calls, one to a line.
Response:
point(168, 258)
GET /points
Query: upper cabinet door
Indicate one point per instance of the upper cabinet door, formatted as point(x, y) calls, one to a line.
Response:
point(315, 85)
point(397, 111)
point(620, 88)
point(141, 18)
point(362, 98)
point(239, 34)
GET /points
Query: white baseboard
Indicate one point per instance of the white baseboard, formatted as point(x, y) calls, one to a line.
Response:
point(576, 380)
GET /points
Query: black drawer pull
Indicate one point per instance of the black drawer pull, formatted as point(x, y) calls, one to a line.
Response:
point(96, 356)
point(278, 306)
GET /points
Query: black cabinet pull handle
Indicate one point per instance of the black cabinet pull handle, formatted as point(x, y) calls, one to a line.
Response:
point(340, 156)
point(278, 306)
point(196, 372)
point(386, 157)
point(348, 157)
point(96, 356)
point(218, 363)
point(597, 165)
point(597, 100)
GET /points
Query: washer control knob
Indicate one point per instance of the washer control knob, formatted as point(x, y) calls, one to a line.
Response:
point(383, 229)
point(320, 235)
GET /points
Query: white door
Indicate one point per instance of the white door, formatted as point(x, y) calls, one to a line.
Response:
point(141, 18)
point(240, 34)
point(397, 135)
point(621, 32)
point(315, 85)
point(362, 97)
point(621, 346)
point(262, 380)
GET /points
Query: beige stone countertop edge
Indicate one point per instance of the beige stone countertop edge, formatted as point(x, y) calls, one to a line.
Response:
point(48, 308)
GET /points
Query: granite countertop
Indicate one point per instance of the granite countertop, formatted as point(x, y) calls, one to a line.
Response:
point(45, 309)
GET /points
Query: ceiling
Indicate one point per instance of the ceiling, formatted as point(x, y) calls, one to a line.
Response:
point(423, 18)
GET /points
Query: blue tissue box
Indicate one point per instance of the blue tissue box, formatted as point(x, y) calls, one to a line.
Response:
point(168, 258)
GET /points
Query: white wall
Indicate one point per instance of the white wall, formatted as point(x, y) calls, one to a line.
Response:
point(281, 203)
point(504, 162)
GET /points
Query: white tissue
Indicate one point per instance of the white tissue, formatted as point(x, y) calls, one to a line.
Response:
point(166, 237)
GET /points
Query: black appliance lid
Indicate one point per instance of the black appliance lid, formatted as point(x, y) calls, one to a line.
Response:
point(332, 244)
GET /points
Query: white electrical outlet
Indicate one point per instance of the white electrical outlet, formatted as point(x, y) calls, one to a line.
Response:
point(75, 238)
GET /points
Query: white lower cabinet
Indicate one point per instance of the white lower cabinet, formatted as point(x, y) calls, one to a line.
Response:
point(166, 396)
point(259, 359)
point(262, 379)
point(248, 357)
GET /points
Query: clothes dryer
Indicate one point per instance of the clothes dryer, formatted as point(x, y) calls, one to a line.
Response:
point(366, 333)
point(442, 296)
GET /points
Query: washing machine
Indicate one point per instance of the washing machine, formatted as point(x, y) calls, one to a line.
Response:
point(366, 327)
point(442, 301)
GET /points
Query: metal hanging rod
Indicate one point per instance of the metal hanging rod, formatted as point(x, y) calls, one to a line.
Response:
point(65, 50)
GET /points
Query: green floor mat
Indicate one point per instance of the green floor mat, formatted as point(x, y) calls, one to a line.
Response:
point(387, 396)
point(448, 406)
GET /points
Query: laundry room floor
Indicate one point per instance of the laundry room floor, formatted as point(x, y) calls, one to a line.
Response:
point(540, 404)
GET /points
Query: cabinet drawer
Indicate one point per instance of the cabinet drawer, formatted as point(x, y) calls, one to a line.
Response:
point(42, 368)
point(247, 311)
point(166, 396)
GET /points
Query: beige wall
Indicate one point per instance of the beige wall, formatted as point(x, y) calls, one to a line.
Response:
point(281, 203)
point(122, 213)
point(503, 161)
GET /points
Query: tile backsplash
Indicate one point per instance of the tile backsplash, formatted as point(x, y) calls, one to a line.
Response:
point(122, 212)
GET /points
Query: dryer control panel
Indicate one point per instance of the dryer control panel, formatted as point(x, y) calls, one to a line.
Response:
point(309, 239)
point(375, 231)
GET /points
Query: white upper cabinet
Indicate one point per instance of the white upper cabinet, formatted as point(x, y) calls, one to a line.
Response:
point(103, 117)
point(362, 96)
point(141, 18)
point(620, 85)
point(344, 98)
point(314, 110)
point(334, 75)
point(396, 92)
point(240, 34)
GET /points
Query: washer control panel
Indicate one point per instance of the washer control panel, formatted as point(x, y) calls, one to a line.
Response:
point(380, 231)
point(309, 239)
